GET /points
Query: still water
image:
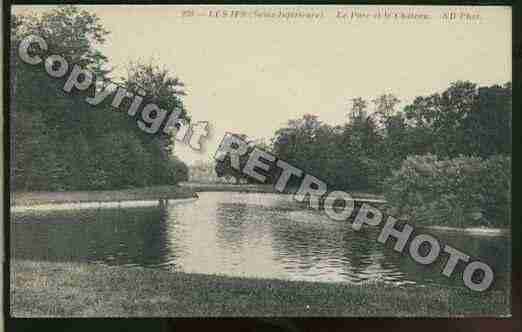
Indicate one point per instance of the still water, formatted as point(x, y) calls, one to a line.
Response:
point(238, 234)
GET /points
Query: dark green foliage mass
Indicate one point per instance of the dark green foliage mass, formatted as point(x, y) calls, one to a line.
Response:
point(462, 120)
point(461, 138)
point(460, 191)
point(60, 142)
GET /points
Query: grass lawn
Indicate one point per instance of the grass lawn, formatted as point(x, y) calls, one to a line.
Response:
point(184, 190)
point(260, 188)
point(43, 289)
point(47, 197)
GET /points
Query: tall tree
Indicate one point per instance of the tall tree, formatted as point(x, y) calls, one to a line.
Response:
point(63, 143)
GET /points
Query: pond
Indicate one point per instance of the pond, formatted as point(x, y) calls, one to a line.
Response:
point(239, 234)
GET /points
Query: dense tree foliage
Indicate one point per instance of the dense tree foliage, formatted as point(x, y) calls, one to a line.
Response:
point(360, 155)
point(60, 142)
point(460, 191)
point(446, 155)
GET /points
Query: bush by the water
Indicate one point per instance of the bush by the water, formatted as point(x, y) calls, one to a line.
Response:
point(463, 191)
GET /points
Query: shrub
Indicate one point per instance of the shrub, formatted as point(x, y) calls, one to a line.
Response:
point(463, 191)
point(179, 171)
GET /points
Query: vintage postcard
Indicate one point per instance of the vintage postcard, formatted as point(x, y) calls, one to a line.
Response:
point(238, 160)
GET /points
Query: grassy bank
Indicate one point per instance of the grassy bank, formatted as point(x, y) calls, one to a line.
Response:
point(248, 188)
point(184, 190)
point(46, 197)
point(257, 188)
point(64, 290)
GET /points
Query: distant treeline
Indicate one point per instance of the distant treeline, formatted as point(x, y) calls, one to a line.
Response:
point(60, 142)
point(204, 172)
point(432, 154)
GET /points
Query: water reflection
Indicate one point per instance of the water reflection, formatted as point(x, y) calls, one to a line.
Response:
point(112, 236)
point(253, 235)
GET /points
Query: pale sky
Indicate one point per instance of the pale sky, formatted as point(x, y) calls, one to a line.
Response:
point(251, 75)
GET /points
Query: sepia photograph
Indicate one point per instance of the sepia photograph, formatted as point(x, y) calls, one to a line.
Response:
point(259, 161)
